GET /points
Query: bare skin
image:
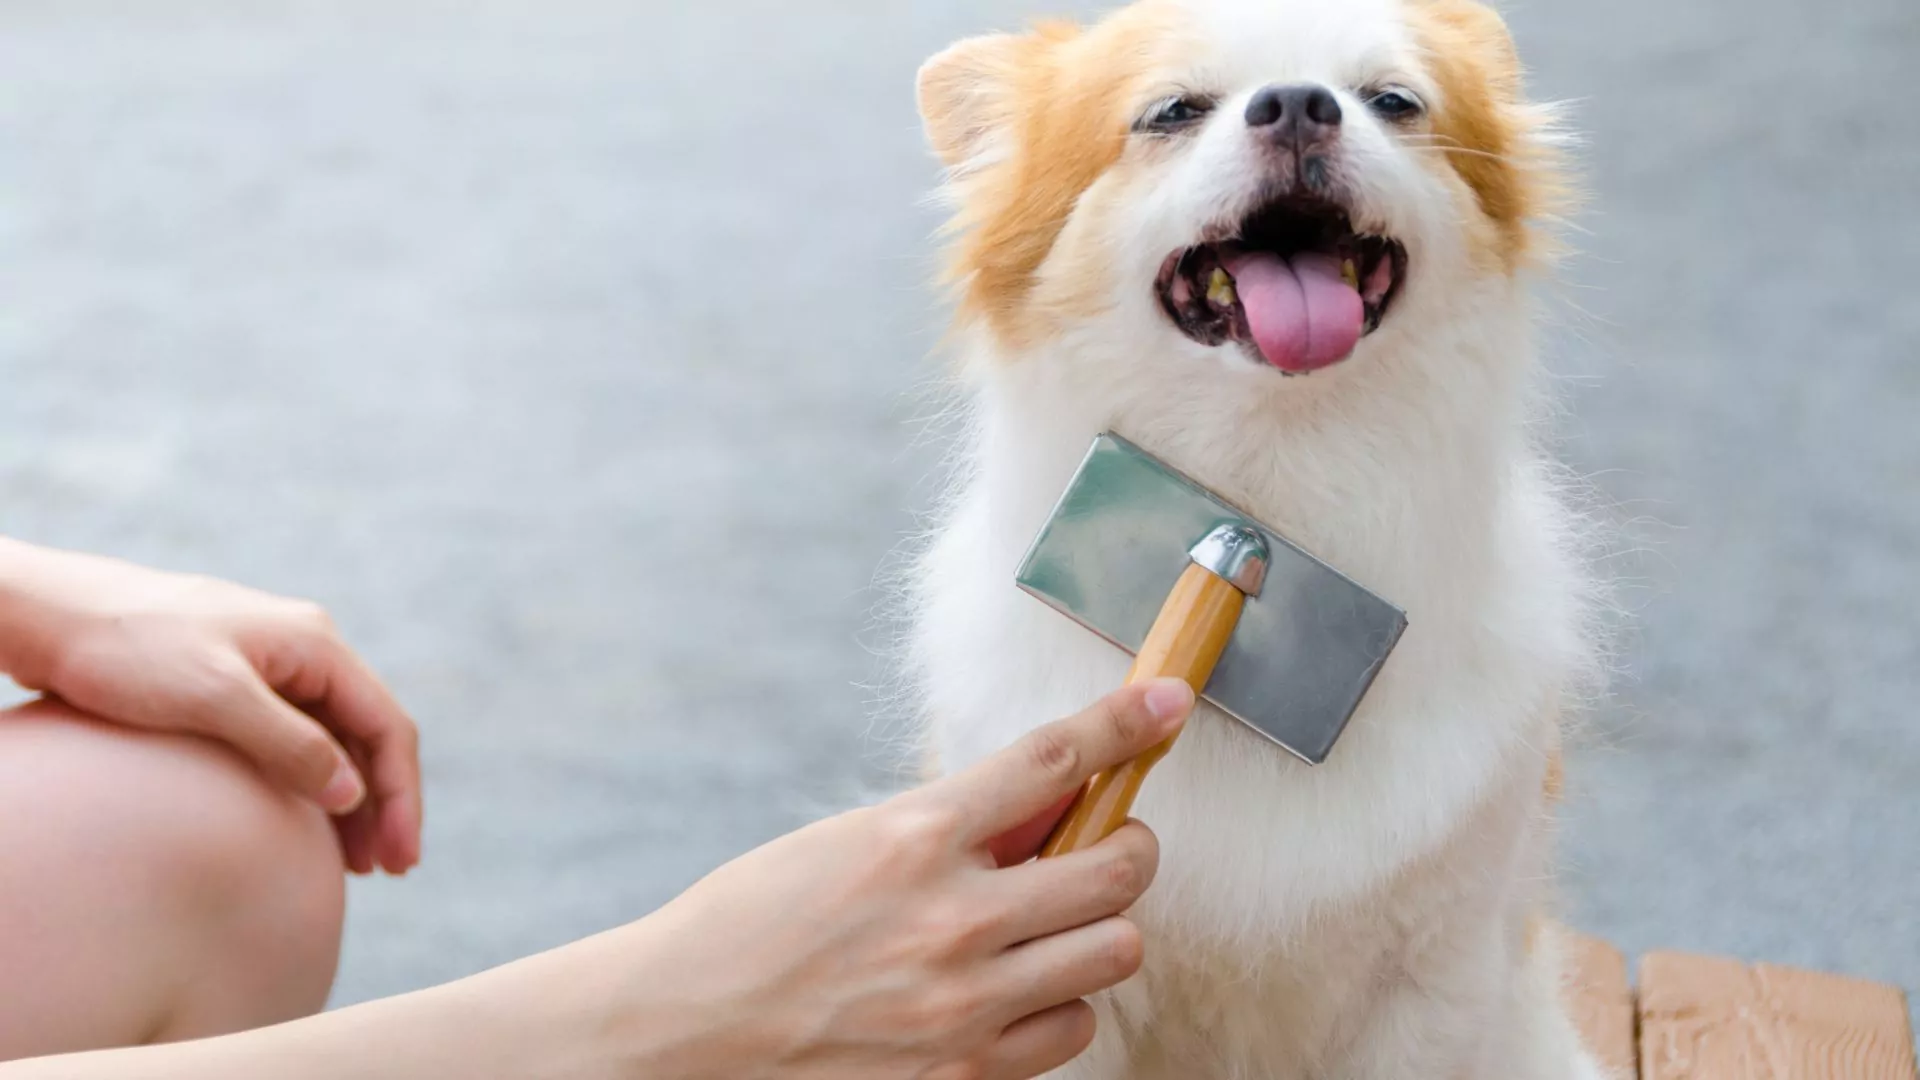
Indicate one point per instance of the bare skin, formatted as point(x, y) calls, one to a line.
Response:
point(153, 887)
point(912, 939)
point(167, 869)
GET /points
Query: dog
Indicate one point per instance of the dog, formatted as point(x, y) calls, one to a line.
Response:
point(1287, 246)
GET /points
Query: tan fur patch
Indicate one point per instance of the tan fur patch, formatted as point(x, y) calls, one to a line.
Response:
point(1482, 114)
point(1028, 122)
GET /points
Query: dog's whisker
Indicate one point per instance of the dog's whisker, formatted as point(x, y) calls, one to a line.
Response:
point(1467, 150)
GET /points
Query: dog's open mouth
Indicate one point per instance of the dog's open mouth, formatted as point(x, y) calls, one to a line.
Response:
point(1296, 285)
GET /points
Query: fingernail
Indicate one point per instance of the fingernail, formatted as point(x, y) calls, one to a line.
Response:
point(344, 791)
point(1169, 699)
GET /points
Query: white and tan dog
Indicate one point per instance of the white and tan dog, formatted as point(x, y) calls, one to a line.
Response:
point(1281, 244)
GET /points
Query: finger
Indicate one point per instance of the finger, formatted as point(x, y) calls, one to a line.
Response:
point(1068, 965)
point(393, 806)
point(1015, 785)
point(1023, 842)
point(1042, 1042)
point(363, 706)
point(360, 830)
point(346, 694)
point(356, 834)
point(290, 747)
point(1078, 888)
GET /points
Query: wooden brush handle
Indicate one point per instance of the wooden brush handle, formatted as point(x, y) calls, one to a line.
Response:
point(1186, 641)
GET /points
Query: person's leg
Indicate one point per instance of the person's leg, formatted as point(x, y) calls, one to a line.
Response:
point(152, 888)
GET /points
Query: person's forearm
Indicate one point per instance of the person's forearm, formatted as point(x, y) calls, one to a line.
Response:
point(448, 1031)
point(534, 1019)
point(378, 1040)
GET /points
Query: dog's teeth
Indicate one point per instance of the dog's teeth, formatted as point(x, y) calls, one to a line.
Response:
point(1220, 288)
point(1350, 274)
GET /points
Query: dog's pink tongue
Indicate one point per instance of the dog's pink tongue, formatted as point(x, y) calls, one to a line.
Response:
point(1302, 313)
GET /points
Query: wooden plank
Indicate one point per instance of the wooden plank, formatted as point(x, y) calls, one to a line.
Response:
point(1704, 1018)
point(1599, 999)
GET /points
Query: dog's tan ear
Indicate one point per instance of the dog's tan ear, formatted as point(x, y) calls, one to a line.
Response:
point(965, 93)
point(1482, 36)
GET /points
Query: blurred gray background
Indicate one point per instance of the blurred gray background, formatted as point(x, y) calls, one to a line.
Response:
point(570, 352)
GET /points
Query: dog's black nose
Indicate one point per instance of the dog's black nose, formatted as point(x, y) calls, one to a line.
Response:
point(1303, 111)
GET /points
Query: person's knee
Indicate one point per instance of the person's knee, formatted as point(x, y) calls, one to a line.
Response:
point(226, 895)
point(265, 888)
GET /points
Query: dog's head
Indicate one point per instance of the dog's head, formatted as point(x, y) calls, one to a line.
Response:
point(1262, 184)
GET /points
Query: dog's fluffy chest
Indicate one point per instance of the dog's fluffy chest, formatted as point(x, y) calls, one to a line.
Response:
point(1408, 833)
point(1469, 679)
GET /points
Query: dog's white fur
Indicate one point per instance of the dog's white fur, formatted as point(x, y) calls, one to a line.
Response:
point(1371, 918)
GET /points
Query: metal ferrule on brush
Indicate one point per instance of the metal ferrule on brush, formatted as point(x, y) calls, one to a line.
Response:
point(1236, 554)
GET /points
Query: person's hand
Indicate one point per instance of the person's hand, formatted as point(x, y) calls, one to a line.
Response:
point(269, 676)
point(910, 939)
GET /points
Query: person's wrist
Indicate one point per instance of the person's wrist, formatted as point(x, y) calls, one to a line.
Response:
point(604, 1006)
point(643, 1018)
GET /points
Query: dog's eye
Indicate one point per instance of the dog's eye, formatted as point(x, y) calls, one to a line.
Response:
point(1174, 113)
point(1395, 103)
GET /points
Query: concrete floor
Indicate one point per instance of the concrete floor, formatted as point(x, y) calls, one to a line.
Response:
point(520, 334)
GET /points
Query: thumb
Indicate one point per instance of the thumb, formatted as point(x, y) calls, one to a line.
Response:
point(293, 749)
point(1008, 790)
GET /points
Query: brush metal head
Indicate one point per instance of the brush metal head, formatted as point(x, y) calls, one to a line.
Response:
point(1309, 642)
